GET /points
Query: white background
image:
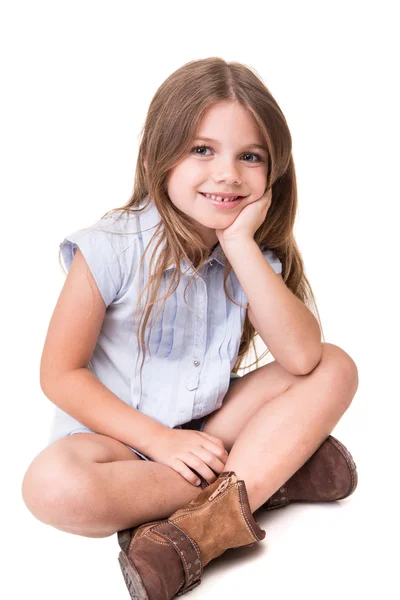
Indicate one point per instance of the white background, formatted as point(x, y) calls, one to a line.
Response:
point(77, 78)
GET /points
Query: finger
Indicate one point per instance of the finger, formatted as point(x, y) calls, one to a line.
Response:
point(180, 467)
point(216, 449)
point(208, 456)
point(197, 463)
point(220, 449)
point(213, 439)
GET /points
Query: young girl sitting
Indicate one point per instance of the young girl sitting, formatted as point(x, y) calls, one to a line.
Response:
point(160, 307)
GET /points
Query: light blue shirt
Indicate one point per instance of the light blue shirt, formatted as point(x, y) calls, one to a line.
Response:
point(193, 347)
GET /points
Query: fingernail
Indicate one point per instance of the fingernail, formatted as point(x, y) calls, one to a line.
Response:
point(198, 481)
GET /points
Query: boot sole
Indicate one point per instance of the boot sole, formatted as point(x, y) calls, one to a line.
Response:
point(350, 463)
point(132, 578)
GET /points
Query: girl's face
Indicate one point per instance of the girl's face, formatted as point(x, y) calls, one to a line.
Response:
point(230, 163)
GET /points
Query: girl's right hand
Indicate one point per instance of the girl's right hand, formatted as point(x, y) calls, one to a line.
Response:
point(186, 449)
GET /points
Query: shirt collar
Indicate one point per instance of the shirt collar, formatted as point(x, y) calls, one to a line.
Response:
point(149, 220)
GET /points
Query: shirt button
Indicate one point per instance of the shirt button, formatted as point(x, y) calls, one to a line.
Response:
point(196, 363)
point(211, 263)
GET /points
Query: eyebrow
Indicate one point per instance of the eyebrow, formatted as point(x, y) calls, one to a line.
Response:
point(207, 139)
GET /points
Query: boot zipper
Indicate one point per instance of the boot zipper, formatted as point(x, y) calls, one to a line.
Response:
point(220, 489)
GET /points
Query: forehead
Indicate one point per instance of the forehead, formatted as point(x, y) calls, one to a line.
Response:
point(229, 122)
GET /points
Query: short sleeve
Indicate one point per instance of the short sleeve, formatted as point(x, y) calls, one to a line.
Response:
point(273, 260)
point(102, 259)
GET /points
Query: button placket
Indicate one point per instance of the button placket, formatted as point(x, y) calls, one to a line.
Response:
point(200, 322)
point(199, 333)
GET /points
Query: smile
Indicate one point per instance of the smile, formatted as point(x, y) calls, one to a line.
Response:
point(222, 203)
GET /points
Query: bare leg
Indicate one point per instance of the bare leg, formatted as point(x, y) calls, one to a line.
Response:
point(138, 493)
point(287, 430)
point(94, 486)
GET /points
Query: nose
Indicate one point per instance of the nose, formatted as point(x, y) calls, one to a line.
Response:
point(228, 172)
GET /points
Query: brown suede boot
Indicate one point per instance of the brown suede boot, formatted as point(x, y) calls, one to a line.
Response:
point(164, 559)
point(329, 474)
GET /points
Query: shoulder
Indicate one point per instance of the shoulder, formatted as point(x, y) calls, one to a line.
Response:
point(117, 228)
point(109, 248)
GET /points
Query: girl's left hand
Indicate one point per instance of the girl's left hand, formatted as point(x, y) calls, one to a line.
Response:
point(248, 220)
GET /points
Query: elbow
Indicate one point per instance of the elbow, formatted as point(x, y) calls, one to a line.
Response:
point(308, 362)
point(48, 383)
point(45, 383)
point(46, 388)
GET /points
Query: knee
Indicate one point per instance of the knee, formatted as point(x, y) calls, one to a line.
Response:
point(340, 368)
point(59, 493)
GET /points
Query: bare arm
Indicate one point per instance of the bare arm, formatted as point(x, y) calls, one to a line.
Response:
point(64, 376)
point(80, 394)
point(286, 326)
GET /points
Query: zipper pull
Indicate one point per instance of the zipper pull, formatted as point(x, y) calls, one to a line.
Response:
point(220, 489)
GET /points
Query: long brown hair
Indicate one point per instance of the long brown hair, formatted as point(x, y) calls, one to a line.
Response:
point(171, 124)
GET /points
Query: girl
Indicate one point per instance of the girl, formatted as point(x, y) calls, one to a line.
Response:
point(200, 259)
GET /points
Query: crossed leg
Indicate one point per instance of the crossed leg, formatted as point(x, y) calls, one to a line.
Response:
point(287, 417)
point(271, 422)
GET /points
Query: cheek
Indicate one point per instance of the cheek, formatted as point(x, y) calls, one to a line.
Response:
point(182, 176)
point(261, 178)
point(260, 186)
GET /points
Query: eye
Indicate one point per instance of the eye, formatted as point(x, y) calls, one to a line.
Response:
point(195, 148)
point(199, 148)
point(258, 156)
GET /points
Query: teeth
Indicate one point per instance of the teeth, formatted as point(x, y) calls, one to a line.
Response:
point(220, 198)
